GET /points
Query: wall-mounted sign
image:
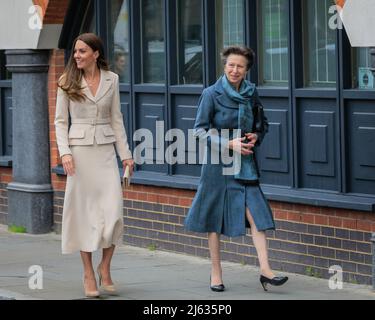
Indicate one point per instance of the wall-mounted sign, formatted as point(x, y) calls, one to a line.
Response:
point(366, 78)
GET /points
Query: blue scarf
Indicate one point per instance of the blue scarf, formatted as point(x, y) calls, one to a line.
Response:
point(248, 170)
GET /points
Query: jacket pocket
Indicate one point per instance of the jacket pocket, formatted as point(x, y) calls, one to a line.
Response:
point(108, 132)
point(104, 135)
point(75, 133)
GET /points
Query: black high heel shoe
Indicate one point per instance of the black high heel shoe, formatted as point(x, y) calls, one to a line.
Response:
point(275, 281)
point(217, 287)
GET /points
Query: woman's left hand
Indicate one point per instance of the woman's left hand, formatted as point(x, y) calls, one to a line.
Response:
point(128, 163)
point(252, 138)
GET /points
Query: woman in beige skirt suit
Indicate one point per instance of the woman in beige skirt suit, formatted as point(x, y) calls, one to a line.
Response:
point(88, 93)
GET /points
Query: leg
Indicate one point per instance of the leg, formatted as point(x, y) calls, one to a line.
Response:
point(89, 281)
point(260, 243)
point(214, 246)
point(105, 266)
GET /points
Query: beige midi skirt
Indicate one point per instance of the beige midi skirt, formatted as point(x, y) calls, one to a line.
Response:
point(92, 213)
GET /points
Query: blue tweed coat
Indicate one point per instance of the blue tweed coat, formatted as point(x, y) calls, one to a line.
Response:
point(219, 204)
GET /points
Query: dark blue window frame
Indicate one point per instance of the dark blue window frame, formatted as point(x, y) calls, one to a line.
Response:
point(5, 114)
point(296, 179)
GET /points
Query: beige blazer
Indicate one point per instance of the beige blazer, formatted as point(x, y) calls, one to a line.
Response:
point(98, 117)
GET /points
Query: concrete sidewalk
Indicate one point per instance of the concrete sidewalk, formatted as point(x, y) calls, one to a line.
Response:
point(141, 274)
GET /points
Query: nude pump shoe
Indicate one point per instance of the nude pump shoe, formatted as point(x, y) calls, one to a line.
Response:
point(108, 288)
point(90, 294)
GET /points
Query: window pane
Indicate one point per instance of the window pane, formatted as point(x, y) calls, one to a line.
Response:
point(190, 42)
point(119, 22)
point(230, 26)
point(88, 19)
point(4, 73)
point(363, 77)
point(153, 43)
point(363, 57)
point(273, 46)
point(319, 44)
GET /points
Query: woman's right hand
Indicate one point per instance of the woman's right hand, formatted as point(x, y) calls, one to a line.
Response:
point(239, 145)
point(68, 164)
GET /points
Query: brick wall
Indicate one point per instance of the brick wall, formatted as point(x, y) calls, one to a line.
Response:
point(56, 69)
point(58, 183)
point(53, 11)
point(56, 11)
point(308, 240)
point(5, 178)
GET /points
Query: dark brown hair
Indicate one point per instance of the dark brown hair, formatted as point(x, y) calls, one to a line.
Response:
point(246, 52)
point(70, 81)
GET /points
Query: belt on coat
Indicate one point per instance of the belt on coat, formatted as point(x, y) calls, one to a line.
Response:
point(93, 122)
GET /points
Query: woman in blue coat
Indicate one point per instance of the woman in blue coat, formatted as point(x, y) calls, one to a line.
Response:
point(228, 203)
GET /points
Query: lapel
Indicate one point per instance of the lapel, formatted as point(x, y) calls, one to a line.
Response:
point(105, 84)
point(222, 98)
point(106, 81)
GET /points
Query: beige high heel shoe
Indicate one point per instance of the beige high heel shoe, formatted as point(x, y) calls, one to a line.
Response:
point(90, 293)
point(109, 288)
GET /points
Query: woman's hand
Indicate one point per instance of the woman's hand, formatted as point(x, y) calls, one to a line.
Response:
point(238, 145)
point(252, 138)
point(68, 164)
point(130, 164)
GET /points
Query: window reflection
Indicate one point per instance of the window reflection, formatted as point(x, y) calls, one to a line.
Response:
point(320, 44)
point(273, 37)
point(120, 31)
point(363, 76)
point(153, 43)
point(190, 42)
point(88, 19)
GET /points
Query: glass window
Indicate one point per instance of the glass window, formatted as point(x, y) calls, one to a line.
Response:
point(153, 42)
point(190, 42)
point(119, 23)
point(88, 19)
point(230, 21)
point(363, 57)
point(319, 44)
point(273, 42)
point(363, 77)
point(4, 73)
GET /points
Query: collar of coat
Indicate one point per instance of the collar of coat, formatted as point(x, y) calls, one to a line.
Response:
point(222, 97)
point(105, 83)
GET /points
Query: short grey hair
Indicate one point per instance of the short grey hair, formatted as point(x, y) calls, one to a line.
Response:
point(246, 52)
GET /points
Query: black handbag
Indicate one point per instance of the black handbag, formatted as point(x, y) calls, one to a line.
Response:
point(259, 119)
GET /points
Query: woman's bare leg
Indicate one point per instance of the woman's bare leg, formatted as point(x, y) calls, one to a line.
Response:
point(260, 243)
point(214, 246)
point(105, 265)
point(88, 271)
